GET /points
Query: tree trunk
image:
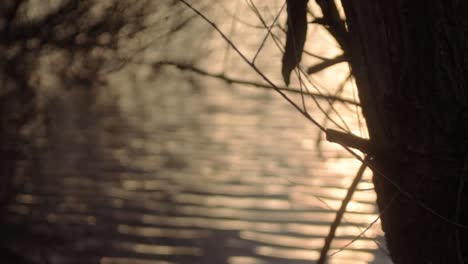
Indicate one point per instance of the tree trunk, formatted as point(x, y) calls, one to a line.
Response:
point(410, 63)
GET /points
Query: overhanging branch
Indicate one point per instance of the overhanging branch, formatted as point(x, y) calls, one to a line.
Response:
point(325, 64)
point(230, 80)
point(348, 140)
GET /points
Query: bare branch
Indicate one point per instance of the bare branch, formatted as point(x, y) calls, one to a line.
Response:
point(332, 21)
point(340, 212)
point(230, 80)
point(349, 140)
point(325, 64)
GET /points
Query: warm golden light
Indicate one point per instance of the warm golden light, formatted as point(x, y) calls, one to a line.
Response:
point(174, 150)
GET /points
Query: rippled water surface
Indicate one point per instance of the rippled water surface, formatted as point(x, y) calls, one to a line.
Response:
point(193, 175)
point(168, 168)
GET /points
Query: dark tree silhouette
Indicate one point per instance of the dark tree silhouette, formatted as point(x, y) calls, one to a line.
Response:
point(410, 63)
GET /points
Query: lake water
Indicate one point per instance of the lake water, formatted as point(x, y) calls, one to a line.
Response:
point(164, 167)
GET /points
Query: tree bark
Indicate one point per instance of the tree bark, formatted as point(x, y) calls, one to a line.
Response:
point(410, 63)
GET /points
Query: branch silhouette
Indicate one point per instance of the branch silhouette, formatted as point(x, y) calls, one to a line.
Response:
point(228, 79)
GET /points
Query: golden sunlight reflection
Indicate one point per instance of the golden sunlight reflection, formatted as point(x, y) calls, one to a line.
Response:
point(303, 254)
point(234, 202)
point(305, 243)
point(170, 167)
point(337, 193)
point(110, 260)
point(352, 206)
point(210, 223)
point(302, 215)
point(152, 249)
point(345, 230)
point(245, 260)
point(161, 232)
point(343, 166)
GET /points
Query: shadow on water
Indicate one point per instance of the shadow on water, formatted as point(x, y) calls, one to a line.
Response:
point(168, 173)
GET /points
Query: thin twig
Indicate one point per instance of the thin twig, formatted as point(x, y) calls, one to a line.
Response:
point(330, 103)
point(269, 32)
point(339, 214)
point(239, 20)
point(253, 66)
point(231, 32)
point(301, 70)
point(368, 228)
point(328, 113)
point(378, 172)
point(228, 79)
point(362, 231)
point(357, 237)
